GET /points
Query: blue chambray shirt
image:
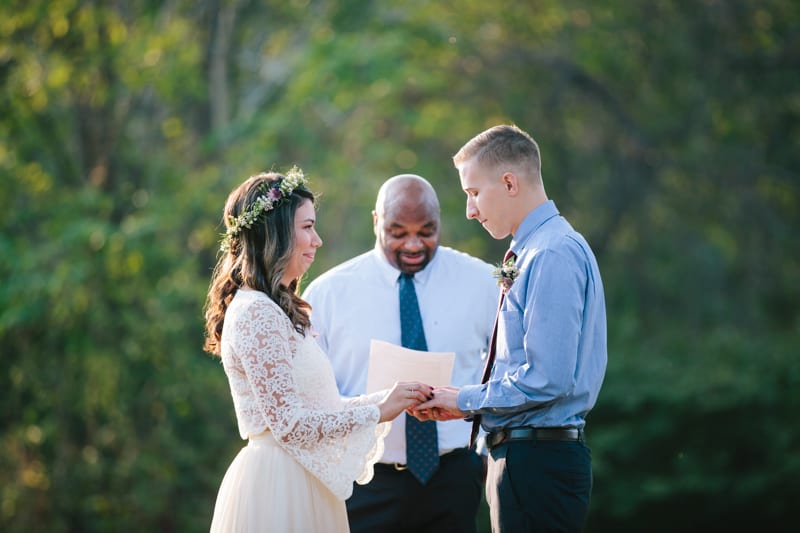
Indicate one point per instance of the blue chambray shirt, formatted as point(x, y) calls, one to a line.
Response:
point(551, 342)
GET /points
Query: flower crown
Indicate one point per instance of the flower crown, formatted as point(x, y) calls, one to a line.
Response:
point(275, 194)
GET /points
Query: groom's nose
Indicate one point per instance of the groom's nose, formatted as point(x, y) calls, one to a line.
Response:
point(472, 211)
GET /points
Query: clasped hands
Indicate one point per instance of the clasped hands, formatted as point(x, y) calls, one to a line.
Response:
point(421, 401)
point(441, 406)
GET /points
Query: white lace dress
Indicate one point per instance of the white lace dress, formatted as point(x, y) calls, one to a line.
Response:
point(307, 444)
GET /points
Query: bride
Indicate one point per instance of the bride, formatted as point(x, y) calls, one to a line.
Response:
point(306, 444)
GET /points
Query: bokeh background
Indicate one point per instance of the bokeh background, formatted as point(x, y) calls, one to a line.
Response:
point(670, 135)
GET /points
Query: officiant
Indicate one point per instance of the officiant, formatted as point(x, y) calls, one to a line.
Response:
point(410, 291)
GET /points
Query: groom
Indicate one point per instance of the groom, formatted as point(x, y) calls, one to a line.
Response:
point(550, 355)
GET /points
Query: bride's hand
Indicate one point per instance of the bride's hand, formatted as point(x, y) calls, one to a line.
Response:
point(403, 395)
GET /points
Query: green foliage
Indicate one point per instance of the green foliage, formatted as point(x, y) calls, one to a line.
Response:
point(669, 133)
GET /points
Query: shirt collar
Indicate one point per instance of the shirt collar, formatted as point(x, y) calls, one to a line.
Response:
point(390, 274)
point(531, 223)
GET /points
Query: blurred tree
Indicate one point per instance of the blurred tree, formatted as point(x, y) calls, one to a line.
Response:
point(105, 403)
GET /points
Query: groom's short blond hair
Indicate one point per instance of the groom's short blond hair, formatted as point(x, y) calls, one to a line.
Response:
point(504, 144)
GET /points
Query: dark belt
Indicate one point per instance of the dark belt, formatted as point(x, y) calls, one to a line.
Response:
point(399, 467)
point(496, 438)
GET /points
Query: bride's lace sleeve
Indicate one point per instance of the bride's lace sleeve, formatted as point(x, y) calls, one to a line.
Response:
point(365, 399)
point(264, 338)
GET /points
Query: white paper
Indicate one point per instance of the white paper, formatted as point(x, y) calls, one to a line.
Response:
point(389, 363)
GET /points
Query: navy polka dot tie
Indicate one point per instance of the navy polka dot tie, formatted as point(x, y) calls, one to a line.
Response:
point(422, 446)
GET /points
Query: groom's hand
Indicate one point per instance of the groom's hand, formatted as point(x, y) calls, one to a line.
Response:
point(443, 406)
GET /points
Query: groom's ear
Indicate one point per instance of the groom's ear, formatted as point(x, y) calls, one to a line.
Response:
point(510, 183)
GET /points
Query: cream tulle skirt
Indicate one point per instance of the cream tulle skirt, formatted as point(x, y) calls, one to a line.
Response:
point(265, 489)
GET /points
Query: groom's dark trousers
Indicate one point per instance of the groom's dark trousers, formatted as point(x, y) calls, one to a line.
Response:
point(539, 486)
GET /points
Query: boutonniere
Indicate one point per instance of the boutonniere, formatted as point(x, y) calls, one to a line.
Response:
point(506, 273)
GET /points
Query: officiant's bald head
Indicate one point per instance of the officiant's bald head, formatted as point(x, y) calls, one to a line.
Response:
point(405, 188)
point(406, 222)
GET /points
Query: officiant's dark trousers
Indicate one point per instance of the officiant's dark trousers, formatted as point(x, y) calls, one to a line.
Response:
point(395, 501)
point(537, 486)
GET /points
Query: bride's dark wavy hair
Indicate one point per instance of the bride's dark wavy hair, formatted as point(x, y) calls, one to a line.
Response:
point(257, 257)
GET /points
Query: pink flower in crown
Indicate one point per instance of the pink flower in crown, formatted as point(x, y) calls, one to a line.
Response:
point(275, 194)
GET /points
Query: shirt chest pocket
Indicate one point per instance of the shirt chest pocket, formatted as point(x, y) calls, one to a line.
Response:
point(509, 333)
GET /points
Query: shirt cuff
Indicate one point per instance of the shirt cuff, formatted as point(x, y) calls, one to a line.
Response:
point(470, 398)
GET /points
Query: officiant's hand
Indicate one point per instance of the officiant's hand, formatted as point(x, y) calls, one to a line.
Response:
point(404, 395)
point(443, 406)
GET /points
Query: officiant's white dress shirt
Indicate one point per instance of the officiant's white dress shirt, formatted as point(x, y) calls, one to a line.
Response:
point(358, 301)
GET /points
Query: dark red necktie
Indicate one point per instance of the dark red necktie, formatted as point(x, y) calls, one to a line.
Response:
point(487, 370)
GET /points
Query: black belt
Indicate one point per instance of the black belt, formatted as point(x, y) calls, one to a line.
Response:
point(496, 438)
point(399, 467)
